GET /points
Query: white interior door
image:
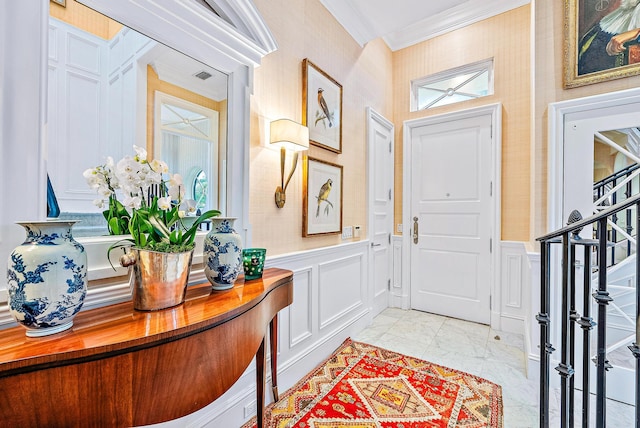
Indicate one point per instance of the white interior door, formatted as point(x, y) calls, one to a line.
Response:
point(452, 217)
point(380, 142)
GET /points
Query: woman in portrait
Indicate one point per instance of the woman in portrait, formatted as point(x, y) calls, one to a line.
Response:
point(606, 44)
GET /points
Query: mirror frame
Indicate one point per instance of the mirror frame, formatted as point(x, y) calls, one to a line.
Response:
point(234, 48)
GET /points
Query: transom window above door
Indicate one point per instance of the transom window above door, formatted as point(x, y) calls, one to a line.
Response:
point(458, 84)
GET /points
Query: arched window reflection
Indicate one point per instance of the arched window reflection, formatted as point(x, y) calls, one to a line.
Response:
point(200, 185)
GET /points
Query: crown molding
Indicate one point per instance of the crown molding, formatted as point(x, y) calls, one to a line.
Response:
point(450, 20)
point(400, 23)
point(352, 19)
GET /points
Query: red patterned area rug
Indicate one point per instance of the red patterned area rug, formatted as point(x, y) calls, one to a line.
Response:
point(363, 386)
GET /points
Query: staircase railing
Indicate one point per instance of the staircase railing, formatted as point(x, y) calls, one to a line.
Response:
point(605, 192)
point(570, 319)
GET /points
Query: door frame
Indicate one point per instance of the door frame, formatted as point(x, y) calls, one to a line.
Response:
point(374, 116)
point(495, 110)
point(559, 118)
point(558, 113)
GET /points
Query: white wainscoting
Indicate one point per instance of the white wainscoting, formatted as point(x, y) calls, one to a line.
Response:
point(329, 304)
point(399, 294)
point(514, 288)
point(532, 334)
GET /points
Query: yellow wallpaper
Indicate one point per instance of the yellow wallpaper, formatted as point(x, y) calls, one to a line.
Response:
point(87, 19)
point(506, 38)
point(305, 29)
point(549, 45)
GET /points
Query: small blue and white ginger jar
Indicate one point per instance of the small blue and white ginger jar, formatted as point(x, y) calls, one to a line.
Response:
point(222, 254)
point(47, 278)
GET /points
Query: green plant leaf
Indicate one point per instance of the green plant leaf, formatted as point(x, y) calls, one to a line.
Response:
point(114, 226)
point(159, 226)
point(175, 237)
point(190, 235)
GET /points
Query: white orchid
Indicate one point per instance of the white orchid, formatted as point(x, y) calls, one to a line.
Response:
point(188, 206)
point(159, 166)
point(103, 180)
point(176, 187)
point(164, 203)
point(152, 207)
point(141, 153)
point(133, 202)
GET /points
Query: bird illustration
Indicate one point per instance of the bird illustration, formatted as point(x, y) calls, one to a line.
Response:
point(323, 195)
point(324, 107)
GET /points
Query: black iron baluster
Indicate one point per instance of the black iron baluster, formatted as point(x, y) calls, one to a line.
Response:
point(586, 323)
point(569, 316)
point(573, 317)
point(614, 232)
point(545, 347)
point(634, 348)
point(564, 368)
point(628, 193)
point(602, 298)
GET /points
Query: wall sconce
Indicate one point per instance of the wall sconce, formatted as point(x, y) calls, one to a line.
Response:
point(289, 135)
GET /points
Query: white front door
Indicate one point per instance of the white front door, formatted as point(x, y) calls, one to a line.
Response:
point(452, 217)
point(380, 143)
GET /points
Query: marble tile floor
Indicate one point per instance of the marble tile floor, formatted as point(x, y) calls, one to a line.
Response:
point(479, 350)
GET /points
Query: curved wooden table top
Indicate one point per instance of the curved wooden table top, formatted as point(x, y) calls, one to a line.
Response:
point(118, 329)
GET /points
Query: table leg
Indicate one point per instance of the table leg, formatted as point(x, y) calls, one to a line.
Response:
point(260, 380)
point(273, 338)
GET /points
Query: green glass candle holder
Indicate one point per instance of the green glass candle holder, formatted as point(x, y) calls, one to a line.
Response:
point(253, 262)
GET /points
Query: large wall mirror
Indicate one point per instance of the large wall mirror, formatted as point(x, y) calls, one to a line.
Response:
point(85, 87)
point(111, 87)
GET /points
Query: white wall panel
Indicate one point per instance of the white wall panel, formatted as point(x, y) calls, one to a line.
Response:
point(302, 310)
point(53, 51)
point(399, 293)
point(83, 54)
point(512, 300)
point(513, 287)
point(340, 288)
point(114, 57)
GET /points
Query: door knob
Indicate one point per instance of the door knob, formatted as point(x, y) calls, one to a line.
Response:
point(415, 230)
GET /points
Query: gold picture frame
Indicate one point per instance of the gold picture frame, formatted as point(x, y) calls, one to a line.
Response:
point(62, 3)
point(321, 197)
point(597, 47)
point(321, 107)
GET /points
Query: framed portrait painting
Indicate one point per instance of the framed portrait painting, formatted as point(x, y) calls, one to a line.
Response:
point(601, 41)
point(322, 107)
point(322, 197)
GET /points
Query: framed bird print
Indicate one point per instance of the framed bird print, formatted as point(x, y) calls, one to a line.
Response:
point(322, 197)
point(322, 107)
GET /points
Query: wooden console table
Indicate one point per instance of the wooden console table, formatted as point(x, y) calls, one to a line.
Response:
point(119, 367)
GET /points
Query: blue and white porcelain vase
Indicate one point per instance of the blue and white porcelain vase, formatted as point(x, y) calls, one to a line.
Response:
point(47, 278)
point(222, 253)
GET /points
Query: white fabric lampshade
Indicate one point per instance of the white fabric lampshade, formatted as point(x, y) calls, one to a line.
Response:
point(290, 135)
